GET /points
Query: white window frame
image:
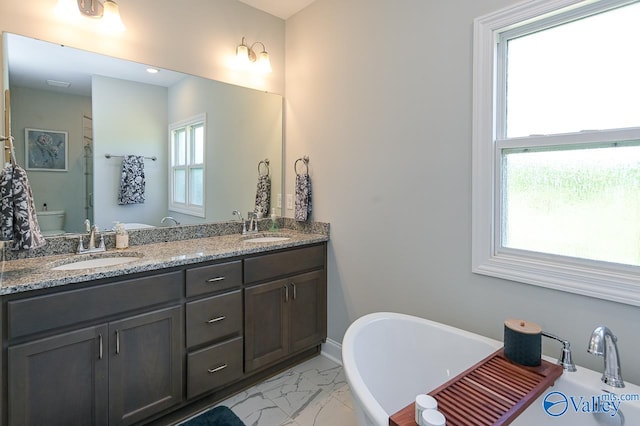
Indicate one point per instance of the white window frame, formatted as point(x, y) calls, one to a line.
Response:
point(604, 280)
point(187, 207)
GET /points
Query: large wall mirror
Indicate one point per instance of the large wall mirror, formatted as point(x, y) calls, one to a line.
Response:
point(93, 109)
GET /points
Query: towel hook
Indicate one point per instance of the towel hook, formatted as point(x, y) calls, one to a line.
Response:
point(305, 161)
point(264, 162)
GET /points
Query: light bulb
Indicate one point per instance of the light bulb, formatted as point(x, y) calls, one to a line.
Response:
point(67, 9)
point(242, 56)
point(111, 20)
point(263, 64)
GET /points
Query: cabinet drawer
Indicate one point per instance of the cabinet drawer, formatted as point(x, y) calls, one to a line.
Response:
point(287, 262)
point(213, 318)
point(214, 366)
point(66, 308)
point(213, 278)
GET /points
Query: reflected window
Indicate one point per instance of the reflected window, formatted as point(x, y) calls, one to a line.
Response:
point(187, 141)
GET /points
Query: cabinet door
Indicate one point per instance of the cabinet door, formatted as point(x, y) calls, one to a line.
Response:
point(307, 319)
point(266, 331)
point(60, 380)
point(145, 365)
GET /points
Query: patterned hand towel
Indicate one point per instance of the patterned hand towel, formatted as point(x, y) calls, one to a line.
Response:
point(132, 180)
point(303, 197)
point(263, 195)
point(19, 223)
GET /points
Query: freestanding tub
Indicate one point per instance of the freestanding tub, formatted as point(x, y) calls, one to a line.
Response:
point(389, 358)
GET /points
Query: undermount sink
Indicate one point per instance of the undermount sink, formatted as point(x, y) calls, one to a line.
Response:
point(266, 239)
point(96, 262)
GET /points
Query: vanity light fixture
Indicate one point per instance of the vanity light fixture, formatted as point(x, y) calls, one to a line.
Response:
point(107, 11)
point(245, 55)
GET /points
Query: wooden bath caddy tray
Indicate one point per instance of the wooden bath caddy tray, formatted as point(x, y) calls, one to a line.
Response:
point(492, 392)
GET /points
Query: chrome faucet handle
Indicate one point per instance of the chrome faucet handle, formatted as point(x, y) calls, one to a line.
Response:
point(244, 225)
point(565, 359)
point(81, 248)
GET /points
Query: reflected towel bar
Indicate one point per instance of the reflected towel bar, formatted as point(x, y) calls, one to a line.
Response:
point(154, 158)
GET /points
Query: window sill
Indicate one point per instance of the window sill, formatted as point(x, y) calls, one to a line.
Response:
point(618, 284)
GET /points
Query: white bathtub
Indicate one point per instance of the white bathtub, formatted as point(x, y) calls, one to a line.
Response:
point(389, 358)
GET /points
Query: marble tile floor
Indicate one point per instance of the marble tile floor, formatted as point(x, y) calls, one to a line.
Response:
point(314, 393)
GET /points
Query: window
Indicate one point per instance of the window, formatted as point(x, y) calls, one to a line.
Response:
point(186, 174)
point(556, 146)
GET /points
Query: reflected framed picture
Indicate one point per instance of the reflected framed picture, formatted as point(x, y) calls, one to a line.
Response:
point(46, 150)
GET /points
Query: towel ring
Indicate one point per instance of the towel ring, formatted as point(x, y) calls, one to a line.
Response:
point(305, 161)
point(264, 162)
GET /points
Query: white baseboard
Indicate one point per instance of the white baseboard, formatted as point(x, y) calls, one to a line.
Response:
point(332, 350)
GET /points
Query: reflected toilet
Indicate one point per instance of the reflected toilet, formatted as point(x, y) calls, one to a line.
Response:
point(51, 222)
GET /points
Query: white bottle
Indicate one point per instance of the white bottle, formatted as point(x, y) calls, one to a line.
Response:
point(432, 418)
point(424, 402)
point(122, 236)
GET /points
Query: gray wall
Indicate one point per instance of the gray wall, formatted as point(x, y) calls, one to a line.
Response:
point(129, 119)
point(54, 111)
point(378, 93)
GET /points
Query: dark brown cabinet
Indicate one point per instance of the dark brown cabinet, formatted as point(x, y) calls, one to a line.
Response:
point(107, 354)
point(283, 317)
point(60, 380)
point(214, 326)
point(145, 365)
point(133, 350)
point(117, 373)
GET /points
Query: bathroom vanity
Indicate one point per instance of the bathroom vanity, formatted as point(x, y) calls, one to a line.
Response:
point(188, 324)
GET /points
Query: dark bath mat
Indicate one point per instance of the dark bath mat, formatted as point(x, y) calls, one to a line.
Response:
point(218, 416)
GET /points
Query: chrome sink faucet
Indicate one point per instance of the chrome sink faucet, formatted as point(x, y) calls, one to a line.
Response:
point(166, 218)
point(92, 230)
point(604, 343)
point(253, 224)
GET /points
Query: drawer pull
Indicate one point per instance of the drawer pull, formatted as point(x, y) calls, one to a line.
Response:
point(215, 370)
point(100, 348)
point(295, 292)
point(286, 293)
point(117, 342)
point(220, 318)
point(215, 280)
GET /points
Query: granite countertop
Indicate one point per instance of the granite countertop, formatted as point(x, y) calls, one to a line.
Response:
point(36, 273)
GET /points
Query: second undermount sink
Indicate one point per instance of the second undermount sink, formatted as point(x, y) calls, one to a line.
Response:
point(266, 239)
point(96, 261)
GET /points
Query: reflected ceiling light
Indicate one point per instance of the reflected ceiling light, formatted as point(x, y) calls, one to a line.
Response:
point(57, 83)
point(153, 70)
point(108, 12)
point(246, 56)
